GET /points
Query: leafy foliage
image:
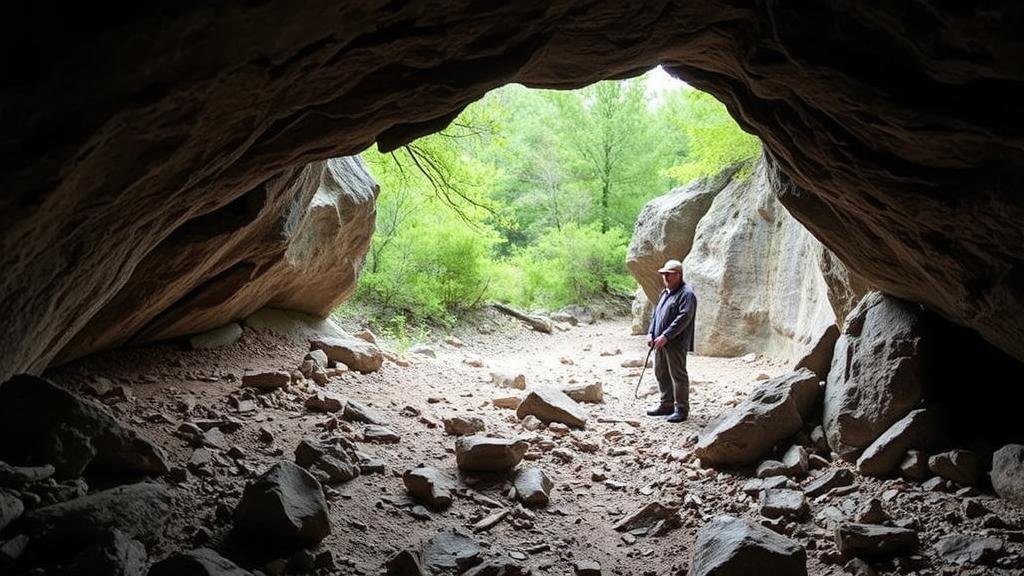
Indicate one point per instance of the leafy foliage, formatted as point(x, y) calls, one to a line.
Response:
point(530, 196)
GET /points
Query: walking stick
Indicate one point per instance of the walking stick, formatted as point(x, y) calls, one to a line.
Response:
point(636, 393)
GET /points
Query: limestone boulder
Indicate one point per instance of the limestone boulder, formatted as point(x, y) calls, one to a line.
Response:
point(552, 405)
point(818, 358)
point(775, 410)
point(285, 505)
point(876, 374)
point(729, 546)
point(1008, 472)
point(665, 229)
point(358, 355)
point(755, 271)
point(42, 424)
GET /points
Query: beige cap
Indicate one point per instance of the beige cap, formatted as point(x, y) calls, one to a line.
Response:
point(672, 266)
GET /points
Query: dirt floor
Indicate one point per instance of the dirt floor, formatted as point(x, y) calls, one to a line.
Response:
point(622, 460)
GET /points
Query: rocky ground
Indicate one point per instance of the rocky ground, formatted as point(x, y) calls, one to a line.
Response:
point(220, 436)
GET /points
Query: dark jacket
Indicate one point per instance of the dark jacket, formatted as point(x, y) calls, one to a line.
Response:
point(674, 316)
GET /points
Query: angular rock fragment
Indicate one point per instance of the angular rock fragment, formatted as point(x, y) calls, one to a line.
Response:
point(324, 402)
point(965, 549)
point(42, 424)
point(485, 454)
point(198, 562)
point(774, 411)
point(267, 381)
point(430, 486)
point(552, 405)
point(286, 504)
point(592, 393)
point(140, 511)
point(873, 541)
point(357, 354)
point(381, 434)
point(876, 374)
point(1008, 472)
point(533, 488)
point(916, 430)
point(960, 466)
point(729, 546)
point(784, 503)
point(828, 480)
point(357, 412)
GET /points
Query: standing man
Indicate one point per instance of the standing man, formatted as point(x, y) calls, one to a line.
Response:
point(671, 336)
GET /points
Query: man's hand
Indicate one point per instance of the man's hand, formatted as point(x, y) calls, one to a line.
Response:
point(660, 342)
point(650, 341)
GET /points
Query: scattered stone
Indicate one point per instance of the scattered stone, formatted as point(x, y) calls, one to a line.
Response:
point(474, 361)
point(366, 336)
point(463, 425)
point(507, 402)
point(645, 516)
point(858, 567)
point(586, 568)
point(592, 393)
point(784, 503)
point(357, 412)
point(357, 354)
point(323, 401)
point(634, 363)
point(611, 352)
point(198, 562)
point(215, 439)
point(140, 511)
point(111, 553)
point(382, 434)
point(450, 552)
point(490, 521)
point(863, 395)
point(972, 509)
point(773, 411)
point(729, 546)
point(429, 485)
point(918, 429)
point(533, 487)
point(504, 379)
point(419, 512)
point(873, 541)
point(485, 454)
point(286, 504)
point(18, 476)
point(225, 335)
point(1008, 473)
point(835, 478)
point(423, 350)
point(266, 381)
point(964, 549)
point(99, 386)
point(552, 405)
point(454, 342)
point(871, 512)
point(566, 360)
point(960, 466)
point(531, 423)
point(12, 550)
point(11, 508)
point(915, 466)
point(934, 484)
point(43, 424)
point(819, 358)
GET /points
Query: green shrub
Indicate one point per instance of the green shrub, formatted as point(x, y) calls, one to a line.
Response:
point(568, 265)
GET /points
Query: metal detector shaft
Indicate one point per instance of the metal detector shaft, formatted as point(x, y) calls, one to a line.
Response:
point(636, 392)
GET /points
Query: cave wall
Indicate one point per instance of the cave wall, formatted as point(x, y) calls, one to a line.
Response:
point(893, 128)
